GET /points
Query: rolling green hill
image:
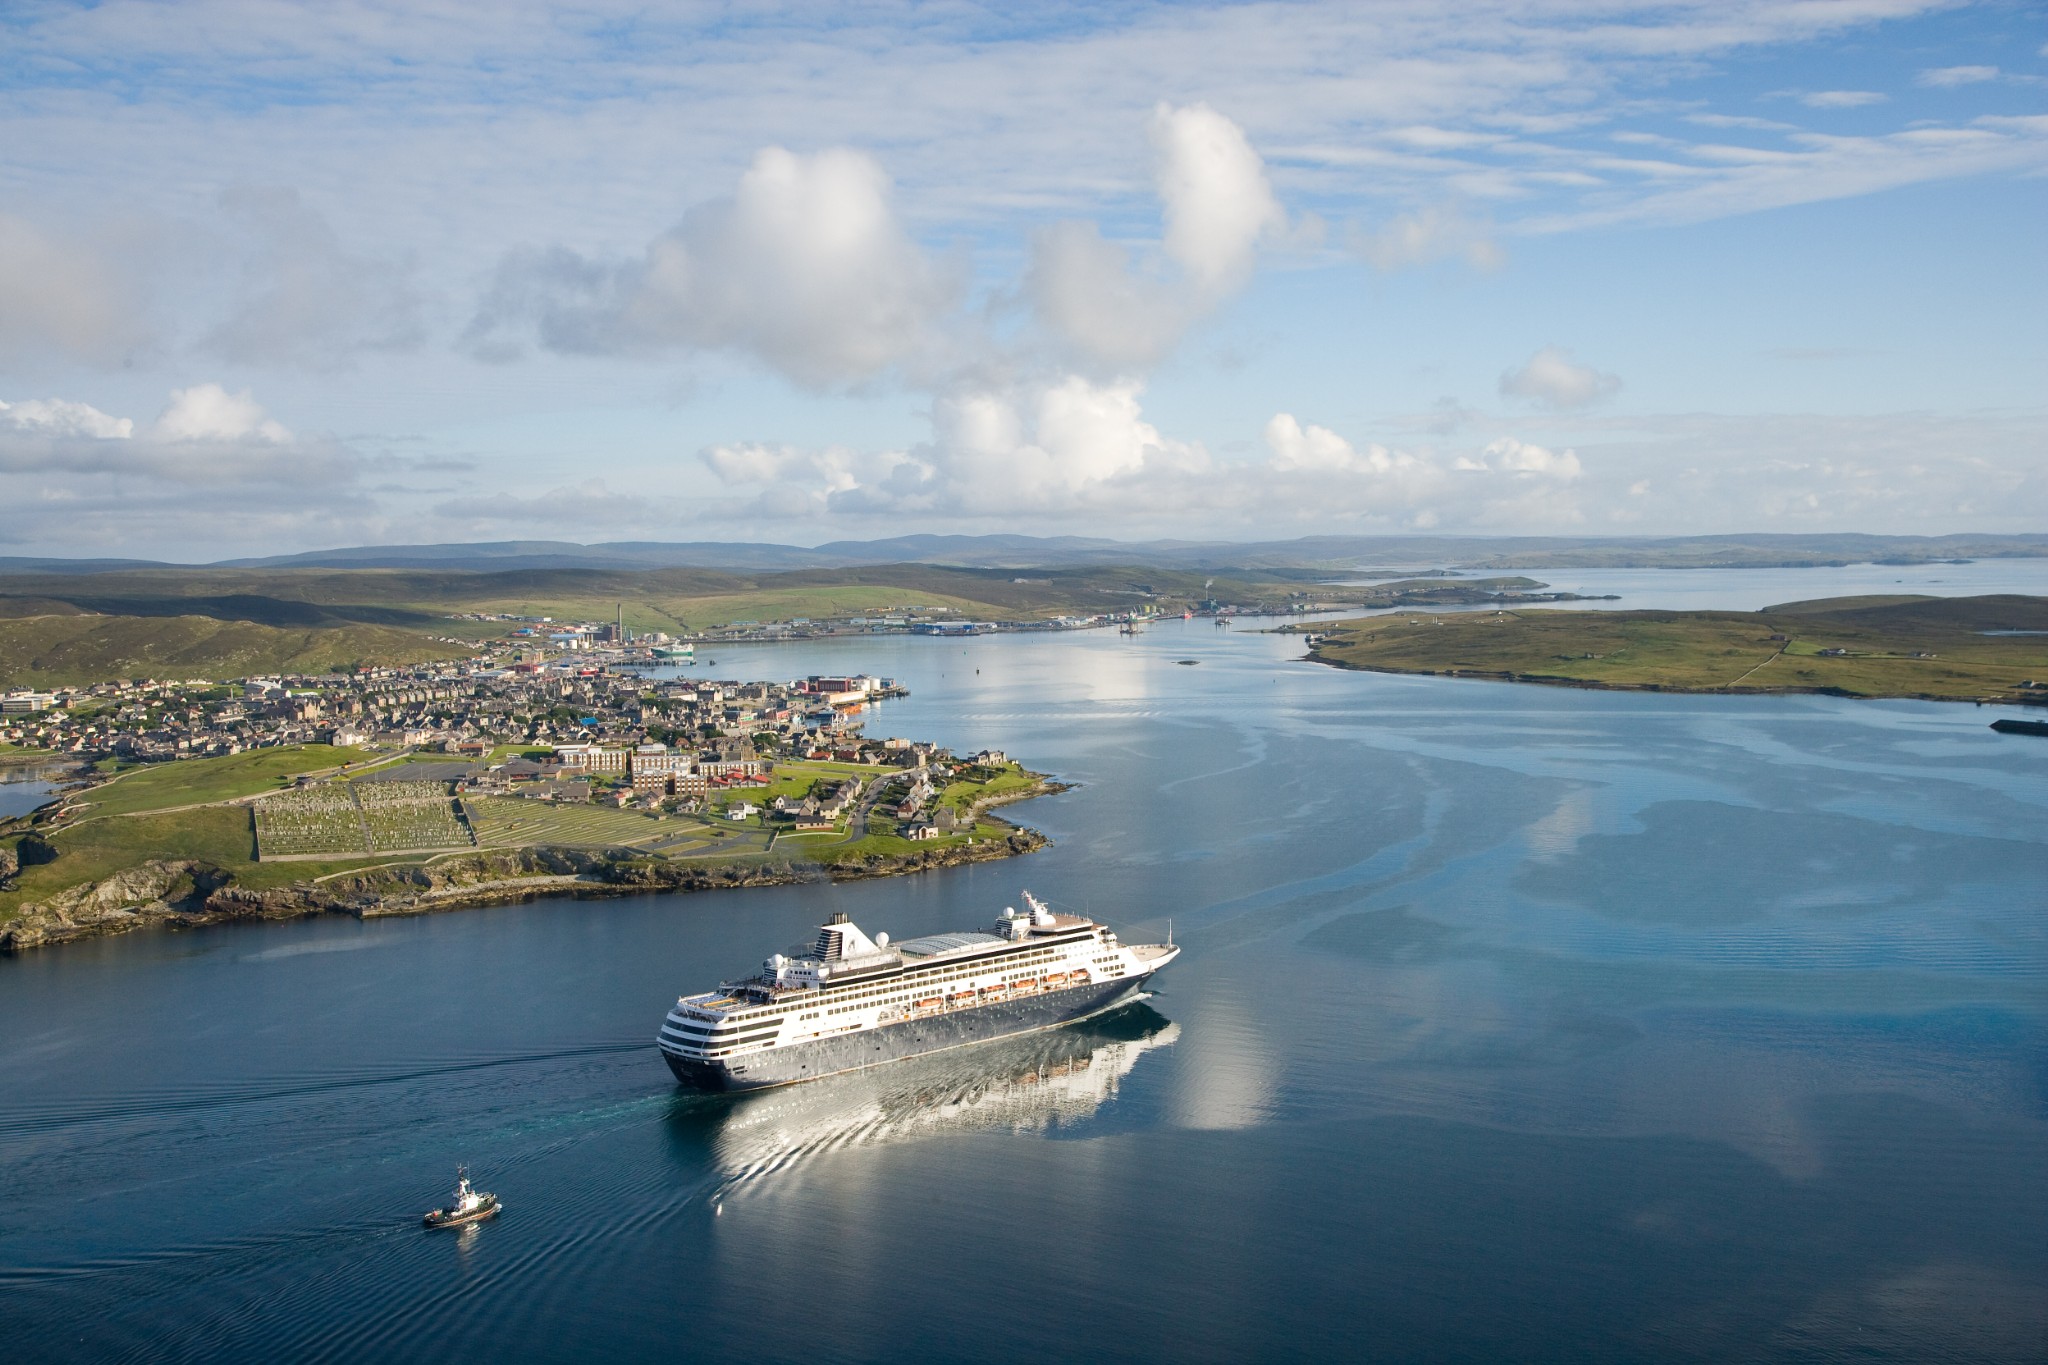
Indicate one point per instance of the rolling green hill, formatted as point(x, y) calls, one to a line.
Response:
point(57, 651)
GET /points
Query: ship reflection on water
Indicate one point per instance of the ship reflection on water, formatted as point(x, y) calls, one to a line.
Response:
point(1038, 1083)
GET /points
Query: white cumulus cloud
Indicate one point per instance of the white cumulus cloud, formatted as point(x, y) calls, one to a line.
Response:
point(63, 418)
point(206, 437)
point(1506, 455)
point(1840, 99)
point(1217, 203)
point(1552, 378)
point(208, 412)
point(995, 450)
point(806, 266)
point(1313, 449)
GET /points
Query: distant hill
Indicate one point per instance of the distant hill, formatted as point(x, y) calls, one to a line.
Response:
point(1324, 553)
point(62, 651)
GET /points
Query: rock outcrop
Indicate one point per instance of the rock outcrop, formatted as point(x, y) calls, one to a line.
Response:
point(156, 891)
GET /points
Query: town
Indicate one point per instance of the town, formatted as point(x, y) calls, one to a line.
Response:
point(572, 729)
point(397, 791)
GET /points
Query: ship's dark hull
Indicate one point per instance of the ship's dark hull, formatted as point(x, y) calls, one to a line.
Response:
point(441, 1219)
point(911, 1038)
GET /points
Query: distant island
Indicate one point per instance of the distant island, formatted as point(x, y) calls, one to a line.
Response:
point(1992, 648)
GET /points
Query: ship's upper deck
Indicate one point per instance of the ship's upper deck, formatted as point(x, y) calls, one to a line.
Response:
point(845, 957)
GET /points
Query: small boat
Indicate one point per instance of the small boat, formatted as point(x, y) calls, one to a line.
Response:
point(468, 1206)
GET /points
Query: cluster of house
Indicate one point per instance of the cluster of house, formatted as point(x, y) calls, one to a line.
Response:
point(652, 769)
point(470, 704)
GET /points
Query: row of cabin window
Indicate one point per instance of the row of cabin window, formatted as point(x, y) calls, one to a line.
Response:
point(952, 974)
point(1012, 979)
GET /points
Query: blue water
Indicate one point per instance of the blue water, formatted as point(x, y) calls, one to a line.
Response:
point(1513, 1024)
point(21, 793)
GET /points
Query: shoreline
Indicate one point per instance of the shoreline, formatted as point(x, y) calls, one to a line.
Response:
point(191, 894)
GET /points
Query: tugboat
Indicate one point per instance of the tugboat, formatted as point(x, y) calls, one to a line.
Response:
point(468, 1206)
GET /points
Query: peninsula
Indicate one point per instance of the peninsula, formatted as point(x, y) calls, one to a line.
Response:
point(1941, 648)
point(385, 793)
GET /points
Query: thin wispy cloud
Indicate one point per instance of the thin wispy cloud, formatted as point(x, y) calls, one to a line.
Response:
point(1947, 77)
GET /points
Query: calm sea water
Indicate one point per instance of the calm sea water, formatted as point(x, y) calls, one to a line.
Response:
point(1514, 1024)
point(21, 791)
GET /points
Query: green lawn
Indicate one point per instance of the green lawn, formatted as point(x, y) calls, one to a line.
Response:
point(504, 752)
point(793, 778)
point(100, 849)
point(220, 835)
point(965, 792)
point(513, 822)
point(189, 781)
point(882, 840)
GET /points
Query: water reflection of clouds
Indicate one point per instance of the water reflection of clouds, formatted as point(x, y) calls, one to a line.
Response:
point(1227, 1074)
point(1401, 1013)
point(1558, 833)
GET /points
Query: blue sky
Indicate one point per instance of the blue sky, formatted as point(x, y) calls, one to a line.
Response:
point(275, 276)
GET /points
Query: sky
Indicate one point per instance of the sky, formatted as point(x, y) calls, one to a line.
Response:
point(279, 277)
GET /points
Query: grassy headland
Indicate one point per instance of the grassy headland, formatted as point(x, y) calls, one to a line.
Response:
point(177, 843)
point(1946, 648)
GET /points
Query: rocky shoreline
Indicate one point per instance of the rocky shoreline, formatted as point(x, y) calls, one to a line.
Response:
point(181, 894)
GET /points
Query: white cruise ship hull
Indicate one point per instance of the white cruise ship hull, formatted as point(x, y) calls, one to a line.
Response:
point(805, 1061)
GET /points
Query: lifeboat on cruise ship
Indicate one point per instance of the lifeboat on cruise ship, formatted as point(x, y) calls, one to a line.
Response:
point(1054, 980)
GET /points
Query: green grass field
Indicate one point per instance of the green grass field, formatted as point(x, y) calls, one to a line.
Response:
point(965, 792)
point(883, 841)
point(513, 822)
point(191, 781)
point(1895, 647)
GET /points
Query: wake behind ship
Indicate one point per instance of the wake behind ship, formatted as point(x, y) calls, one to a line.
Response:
point(856, 1002)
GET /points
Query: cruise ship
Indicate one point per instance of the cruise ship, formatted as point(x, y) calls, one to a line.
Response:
point(852, 1001)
